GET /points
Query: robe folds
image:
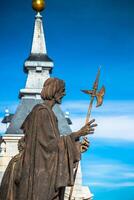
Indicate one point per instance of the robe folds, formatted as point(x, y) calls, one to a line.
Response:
point(48, 159)
point(11, 178)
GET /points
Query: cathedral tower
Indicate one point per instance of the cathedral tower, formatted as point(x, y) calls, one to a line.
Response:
point(38, 67)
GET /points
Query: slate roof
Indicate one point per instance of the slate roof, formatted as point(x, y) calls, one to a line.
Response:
point(39, 57)
point(25, 107)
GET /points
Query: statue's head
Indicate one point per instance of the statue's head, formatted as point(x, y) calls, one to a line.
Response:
point(53, 89)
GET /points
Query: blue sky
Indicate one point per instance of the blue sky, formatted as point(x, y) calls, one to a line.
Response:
point(80, 36)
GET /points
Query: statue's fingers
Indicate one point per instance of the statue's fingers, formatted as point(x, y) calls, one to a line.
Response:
point(85, 148)
point(87, 131)
point(91, 129)
point(85, 139)
point(92, 121)
point(91, 132)
point(86, 144)
point(93, 125)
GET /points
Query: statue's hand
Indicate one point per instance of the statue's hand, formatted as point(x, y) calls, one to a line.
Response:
point(84, 145)
point(87, 129)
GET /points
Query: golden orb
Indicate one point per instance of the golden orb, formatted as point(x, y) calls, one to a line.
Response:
point(38, 5)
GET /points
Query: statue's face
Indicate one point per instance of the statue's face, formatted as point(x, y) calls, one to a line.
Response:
point(60, 95)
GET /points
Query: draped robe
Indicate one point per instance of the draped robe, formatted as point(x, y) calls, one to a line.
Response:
point(48, 159)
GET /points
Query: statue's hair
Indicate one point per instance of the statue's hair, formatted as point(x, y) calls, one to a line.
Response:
point(51, 88)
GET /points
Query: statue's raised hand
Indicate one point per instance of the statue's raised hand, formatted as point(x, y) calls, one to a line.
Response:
point(89, 128)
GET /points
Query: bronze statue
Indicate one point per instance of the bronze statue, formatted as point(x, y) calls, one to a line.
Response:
point(45, 166)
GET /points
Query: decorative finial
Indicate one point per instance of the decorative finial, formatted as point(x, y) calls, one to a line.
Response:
point(67, 114)
point(6, 112)
point(38, 5)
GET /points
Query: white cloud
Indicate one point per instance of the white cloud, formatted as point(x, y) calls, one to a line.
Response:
point(129, 174)
point(108, 107)
point(112, 185)
point(115, 119)
point(109, 175)
point(106, 169)
point(121, 127)
point(118, 127)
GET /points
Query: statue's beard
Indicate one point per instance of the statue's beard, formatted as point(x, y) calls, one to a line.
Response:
point(58, 100)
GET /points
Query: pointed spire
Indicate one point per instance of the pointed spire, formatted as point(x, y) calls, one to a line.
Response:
point(38, 58)
point(38, 65)
point(39, 43)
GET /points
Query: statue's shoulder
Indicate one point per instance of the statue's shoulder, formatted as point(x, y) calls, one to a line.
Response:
point(40, 107)
point(35, 113)
point(36, 107)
